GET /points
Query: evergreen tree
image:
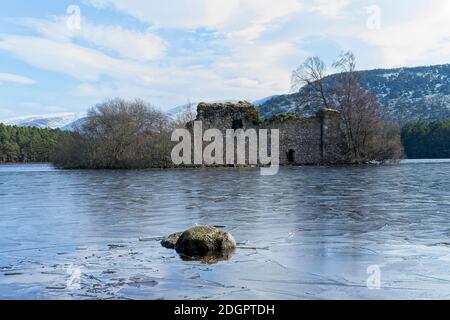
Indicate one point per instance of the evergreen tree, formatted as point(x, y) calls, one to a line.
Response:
point(23, 144)
point(427, 140)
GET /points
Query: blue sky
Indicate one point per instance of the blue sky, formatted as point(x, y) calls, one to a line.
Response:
point(65, 56)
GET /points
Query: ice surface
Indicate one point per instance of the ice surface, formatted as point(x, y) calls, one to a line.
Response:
point(321, 227)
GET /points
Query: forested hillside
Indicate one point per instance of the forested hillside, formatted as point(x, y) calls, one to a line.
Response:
point(22, 144)
point(427, 140)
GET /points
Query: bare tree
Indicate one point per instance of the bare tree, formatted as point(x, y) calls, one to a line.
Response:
point(346, 62)
point(369, 135)
point(119, 134)
point(363, 123)
point(311, 75)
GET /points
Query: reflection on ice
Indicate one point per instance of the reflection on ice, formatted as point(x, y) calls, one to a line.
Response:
point(211, 258)
point(306, 233)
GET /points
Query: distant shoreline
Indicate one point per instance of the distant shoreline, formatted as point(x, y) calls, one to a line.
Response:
point(414, 161)
point(401, 162)
point(24, 163)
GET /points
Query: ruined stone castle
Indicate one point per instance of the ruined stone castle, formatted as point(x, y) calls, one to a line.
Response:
point(303, 141)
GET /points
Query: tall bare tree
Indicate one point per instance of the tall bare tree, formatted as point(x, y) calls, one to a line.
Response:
point(368, 135)
point(311, 75)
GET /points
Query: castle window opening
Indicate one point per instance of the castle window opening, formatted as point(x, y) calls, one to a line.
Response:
point(237, 124)
point(291, 156)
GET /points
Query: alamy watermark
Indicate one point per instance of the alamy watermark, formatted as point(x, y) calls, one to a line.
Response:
point(192, 150)
point(73, 20)
point(374, 280)
point(374, 20)
point(74, 280)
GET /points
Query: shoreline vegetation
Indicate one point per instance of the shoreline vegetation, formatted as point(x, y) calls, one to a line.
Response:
point(27, 144)
point(426, 141)
point(120, 134)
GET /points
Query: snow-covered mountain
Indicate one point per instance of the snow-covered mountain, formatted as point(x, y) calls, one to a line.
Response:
point(53, 121)
point(74, 125)
point(178, 110)
point(173, 112)
point(407, 94)
point(262, 101)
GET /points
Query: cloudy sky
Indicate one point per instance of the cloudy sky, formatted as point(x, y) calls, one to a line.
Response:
point(65, 56)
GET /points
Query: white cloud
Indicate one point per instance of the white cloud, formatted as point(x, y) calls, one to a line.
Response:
point(330, 8)
point(422, 38)
point(224, 16)
point(245, 68)
point(263, 63)
point(130, 44)
point(40, 108)
point(247, 51)
point(243, 82)
point(14, 78)
point(82, 63)
point(144, 46)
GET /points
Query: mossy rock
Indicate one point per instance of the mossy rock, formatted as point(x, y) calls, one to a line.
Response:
point(170, 242)
point(255, 116)
point(285, 117)
point(204, 241)
point(225, 105)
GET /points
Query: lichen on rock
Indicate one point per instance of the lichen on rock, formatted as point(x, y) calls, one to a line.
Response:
point(203, 240)
point(200, 241)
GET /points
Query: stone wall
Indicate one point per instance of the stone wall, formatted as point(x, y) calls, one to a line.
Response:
point(228, 115)
point(299, 140)
point(303, 141)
